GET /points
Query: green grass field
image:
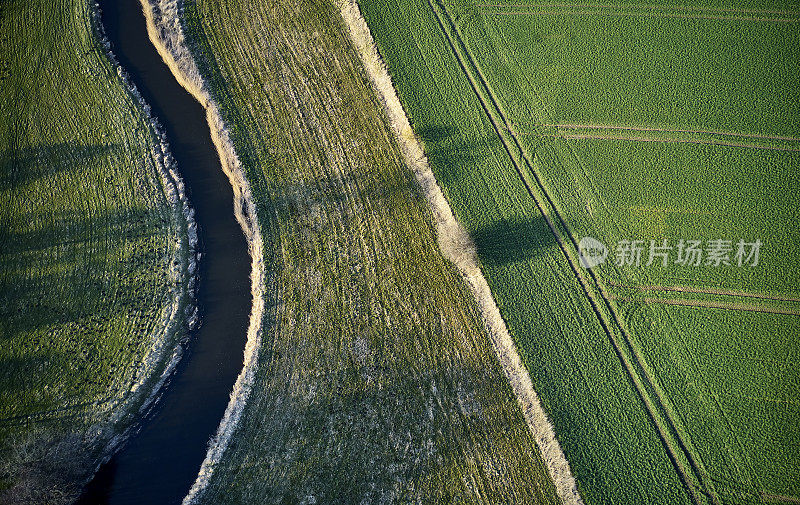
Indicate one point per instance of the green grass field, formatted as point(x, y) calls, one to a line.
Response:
point(376, 379)
point(93, 254)
point(549, 122)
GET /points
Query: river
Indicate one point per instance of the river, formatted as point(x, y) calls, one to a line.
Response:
point(159, 463)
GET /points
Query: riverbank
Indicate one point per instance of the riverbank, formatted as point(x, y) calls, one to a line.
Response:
point(377, 366)
point(160, 462)
point(96, 267)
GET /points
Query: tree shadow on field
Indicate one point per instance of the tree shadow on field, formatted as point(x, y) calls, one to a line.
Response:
point(513, 240)
point(504, 241)
point(21, 374)
point(450, 155)
point(22, 166)
point(65, 266)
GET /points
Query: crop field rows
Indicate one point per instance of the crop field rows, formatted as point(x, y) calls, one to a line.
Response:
point(545, 150)
point(604, 311)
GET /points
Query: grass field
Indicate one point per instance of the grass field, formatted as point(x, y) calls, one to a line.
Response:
point(549, 122)
point(376, 379)
point(93, 252)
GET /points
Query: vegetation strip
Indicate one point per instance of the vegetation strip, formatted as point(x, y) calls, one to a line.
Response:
point(671, 434)
point(457, 246)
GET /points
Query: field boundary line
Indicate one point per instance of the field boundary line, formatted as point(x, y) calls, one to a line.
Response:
point(580, 136)
point(698, 8)
point(669, 435)
point(709, 291)
point(639, 15)
point(457, 246)
point(710, 304)
point(575, 126)
point(165, 30)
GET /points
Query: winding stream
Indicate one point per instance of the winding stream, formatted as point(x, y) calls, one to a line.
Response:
point(159, 464)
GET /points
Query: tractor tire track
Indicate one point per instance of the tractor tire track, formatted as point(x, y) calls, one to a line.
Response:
point(645, 7)
point(710, 304)
point(674, 141)
point(574, 126)
point(641, 15)
point(709, 291)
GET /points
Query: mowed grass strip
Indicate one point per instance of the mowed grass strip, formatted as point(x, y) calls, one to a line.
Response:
point(93, 252)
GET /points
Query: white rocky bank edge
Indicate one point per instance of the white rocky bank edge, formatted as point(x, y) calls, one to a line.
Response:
point(166, 33)
point(181, 313)
point(457, 246)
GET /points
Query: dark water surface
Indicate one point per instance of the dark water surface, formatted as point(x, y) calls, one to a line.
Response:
point(159, 464)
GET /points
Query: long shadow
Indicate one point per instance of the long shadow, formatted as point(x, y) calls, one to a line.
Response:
point(504, 241)
point(21, 166)
point(449, 153)
point(67, 255)
point(62, 276)
point(68, 229)
point(510, 241)
point(15, 371)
